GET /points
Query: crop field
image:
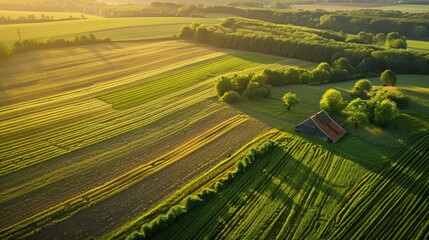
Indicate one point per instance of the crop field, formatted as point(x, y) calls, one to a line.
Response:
point(118, 29)
point(291, 193)
point(396, 198)
point(302, 191)
point(89, 134)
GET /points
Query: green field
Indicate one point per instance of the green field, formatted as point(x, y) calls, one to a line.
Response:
point(418, 45)
point(302, 191)
point(92, 128)
point(118, 29)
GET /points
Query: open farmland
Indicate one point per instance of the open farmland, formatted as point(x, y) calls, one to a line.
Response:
point(289, 193)
point(302, 191)
point(118, 29)
point(82, 153)
point(304, 186)
point(396, 198)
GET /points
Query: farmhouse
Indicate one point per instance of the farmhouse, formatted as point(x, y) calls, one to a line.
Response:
point(321, 126)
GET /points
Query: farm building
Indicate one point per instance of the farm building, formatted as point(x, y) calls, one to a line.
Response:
point(321, 126)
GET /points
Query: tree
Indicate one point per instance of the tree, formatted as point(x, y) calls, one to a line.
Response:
point(384, 111)
point(231, 97)
point(240, 82)
point(361, 87)
point(290, 100)
point(223, 85)
point(332, 101)
point(380, 39)
point(420, 31)
point(388, 78)
point(395, 40)
point(186, 32)
point(344, 64)
point(357, 119)
point(4, 50)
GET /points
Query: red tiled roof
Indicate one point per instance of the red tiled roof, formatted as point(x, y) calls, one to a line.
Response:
point(328, 126)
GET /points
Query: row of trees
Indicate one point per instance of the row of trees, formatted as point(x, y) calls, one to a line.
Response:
point(374, 21)
point(259, 36)
point(391, 40)
point(33, 19)
point(30, 45)
point(100, 8)
point(253, 86)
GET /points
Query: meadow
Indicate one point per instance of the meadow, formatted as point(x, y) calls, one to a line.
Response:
point(91, 128)
point(118, 29)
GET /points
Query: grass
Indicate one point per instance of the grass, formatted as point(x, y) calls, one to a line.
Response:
point(418, 45)
point(73, 155)
point(118, 29)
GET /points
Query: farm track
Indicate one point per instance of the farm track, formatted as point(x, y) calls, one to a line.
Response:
point(394, 199)
point(284, 195)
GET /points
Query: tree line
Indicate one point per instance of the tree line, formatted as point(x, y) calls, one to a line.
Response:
point(155, 9)
point(234, 88)
point(370, 20)
point(306, 44)
point(31, 44)
point(33, 19)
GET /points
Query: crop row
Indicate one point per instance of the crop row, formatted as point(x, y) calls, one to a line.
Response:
point(135, 95)
point(66, 74)
point(282, 196)
point(395, 198)
point(118, 184)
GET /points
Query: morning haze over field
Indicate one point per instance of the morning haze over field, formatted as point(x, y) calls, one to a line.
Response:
point(214, 119)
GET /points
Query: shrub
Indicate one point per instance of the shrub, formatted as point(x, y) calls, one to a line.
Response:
point(332, 101)
point(290, 100)
point(388, 78)
point(385, 111)
point(361, 87)
point(231, 97)
point(136, 235)
point(223, 85)
point(192, 201)
point(207, 194)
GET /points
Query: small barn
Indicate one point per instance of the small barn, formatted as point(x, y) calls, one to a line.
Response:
point(321, 126)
